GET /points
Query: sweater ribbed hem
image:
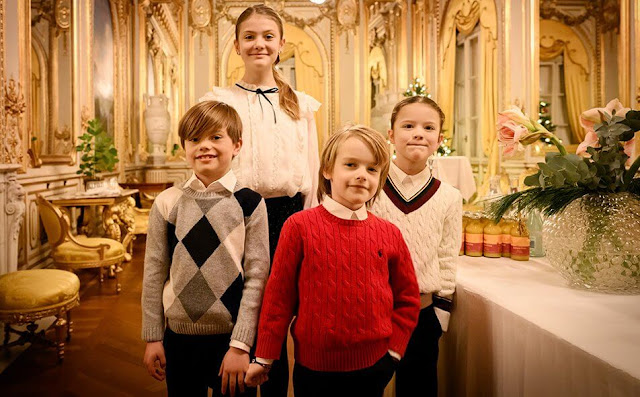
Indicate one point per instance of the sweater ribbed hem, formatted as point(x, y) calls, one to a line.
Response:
point(350, 359)
point(154, 334)
point(199, 329)
point(399, 341)
point(244, 335)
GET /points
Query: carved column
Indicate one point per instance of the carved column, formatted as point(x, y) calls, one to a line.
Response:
point(12, 207)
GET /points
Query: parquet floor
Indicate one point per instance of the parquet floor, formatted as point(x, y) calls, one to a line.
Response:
point(104, 357)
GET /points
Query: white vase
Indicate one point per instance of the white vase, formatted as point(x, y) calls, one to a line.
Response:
point(158, 122)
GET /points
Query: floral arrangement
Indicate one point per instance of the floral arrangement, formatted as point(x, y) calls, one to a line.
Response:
point(599, 165)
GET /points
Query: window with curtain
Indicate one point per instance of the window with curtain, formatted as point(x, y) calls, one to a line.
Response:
point(552, 91)
point(288, 70)
point(466, 122)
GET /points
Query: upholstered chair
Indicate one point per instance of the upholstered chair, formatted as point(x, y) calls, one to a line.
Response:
point(71, 252)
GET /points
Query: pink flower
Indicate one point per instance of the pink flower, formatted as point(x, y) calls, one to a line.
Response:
point(588, 120)
point(590, 140)
point(509, 135)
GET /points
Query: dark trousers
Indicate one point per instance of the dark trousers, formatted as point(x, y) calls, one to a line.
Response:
point(279, 209)
point(367, 382)
point(418, 368)
point(193, 362)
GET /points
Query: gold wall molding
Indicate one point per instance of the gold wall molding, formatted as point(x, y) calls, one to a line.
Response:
point(11, 135)
point(2, 111)
point(605, 12)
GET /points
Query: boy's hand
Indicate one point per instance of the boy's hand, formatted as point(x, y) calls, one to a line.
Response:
point(234, 366)
point(256, 375)
point(154, 360)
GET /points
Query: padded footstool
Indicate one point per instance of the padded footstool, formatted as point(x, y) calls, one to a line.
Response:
point(29, 295)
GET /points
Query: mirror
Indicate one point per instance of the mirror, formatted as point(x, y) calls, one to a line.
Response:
point(51, 125)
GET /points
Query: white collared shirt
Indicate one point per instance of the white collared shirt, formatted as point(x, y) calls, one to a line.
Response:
point(226, 182)
point(342, 212)
point(409, 185)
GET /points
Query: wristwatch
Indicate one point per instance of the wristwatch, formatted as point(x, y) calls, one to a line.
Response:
point(263, 365)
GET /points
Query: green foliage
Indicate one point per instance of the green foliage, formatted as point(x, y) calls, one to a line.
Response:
point(563, 178)
point(98, 154)
point(603, 171)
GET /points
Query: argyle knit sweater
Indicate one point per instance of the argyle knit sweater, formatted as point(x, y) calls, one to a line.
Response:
point(431, 223)
point(206, 263)
point(350, 284)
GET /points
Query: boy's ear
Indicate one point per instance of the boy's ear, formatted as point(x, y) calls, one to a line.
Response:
point(236, 147)
point(236, 46)
point(326, 175)
point(440, 138)
point(391, 136)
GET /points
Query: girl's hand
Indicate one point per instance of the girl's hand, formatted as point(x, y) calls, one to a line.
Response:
point(234, 366)
point(154, 360)
point(256, 375)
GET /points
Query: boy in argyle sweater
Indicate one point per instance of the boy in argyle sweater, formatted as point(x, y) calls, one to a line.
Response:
point(346, 275)
point(206, 264)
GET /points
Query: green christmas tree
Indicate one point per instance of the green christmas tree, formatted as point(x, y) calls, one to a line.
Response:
point(544, 118)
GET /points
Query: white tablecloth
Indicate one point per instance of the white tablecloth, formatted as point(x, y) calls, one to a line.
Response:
point(518, 330)
point(456, 171)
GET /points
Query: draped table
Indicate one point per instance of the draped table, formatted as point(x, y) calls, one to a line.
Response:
point(456, 171)
point(517, 329)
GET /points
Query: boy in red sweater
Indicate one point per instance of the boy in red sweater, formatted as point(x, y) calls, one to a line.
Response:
point(346, 275)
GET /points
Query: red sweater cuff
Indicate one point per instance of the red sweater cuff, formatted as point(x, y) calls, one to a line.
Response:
point(399, 341)
point(269, 346)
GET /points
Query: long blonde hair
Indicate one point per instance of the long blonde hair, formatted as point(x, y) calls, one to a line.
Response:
point(288, 99)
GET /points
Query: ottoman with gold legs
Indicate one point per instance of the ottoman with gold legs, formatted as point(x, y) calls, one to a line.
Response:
point(29, 295)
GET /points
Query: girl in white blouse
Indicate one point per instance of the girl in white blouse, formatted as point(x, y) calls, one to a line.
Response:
point(279, 155)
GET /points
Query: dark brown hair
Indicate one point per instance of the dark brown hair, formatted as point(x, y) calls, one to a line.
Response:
point(208, 117)
point(288, 98)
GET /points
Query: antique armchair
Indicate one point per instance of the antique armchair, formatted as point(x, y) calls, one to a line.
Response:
point(71, 252)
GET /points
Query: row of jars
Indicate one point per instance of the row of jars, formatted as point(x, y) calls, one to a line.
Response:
point(482, 237)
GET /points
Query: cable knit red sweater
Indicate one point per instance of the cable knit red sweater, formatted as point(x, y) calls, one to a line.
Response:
point(351, 285)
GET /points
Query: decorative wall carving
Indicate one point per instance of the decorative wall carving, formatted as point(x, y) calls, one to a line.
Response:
point(605, 12)
point(11, 134)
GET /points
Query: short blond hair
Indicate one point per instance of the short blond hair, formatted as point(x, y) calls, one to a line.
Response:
point(208, 117)
point(370, 137)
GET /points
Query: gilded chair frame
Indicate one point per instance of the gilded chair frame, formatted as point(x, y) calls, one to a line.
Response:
point(65, 235)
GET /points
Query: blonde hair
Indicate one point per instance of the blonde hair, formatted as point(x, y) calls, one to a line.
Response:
point(417, 99)
point(288, 99)
point(208, 117)
point(370, 137)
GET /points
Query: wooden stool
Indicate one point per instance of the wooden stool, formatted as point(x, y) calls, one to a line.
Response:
point(29, 295)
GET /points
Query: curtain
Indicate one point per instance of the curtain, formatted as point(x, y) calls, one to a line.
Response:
point(463, 17)
point(576, 70)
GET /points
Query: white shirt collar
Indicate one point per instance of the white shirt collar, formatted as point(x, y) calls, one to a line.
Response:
point(228, 182)
point(418, 179)
point(342, 212)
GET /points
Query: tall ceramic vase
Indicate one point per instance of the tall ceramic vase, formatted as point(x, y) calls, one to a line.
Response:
point(157, 121)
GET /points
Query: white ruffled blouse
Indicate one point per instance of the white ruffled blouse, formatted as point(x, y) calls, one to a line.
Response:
point(279, 156)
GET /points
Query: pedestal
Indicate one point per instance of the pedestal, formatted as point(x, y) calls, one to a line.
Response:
point(12, 208)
